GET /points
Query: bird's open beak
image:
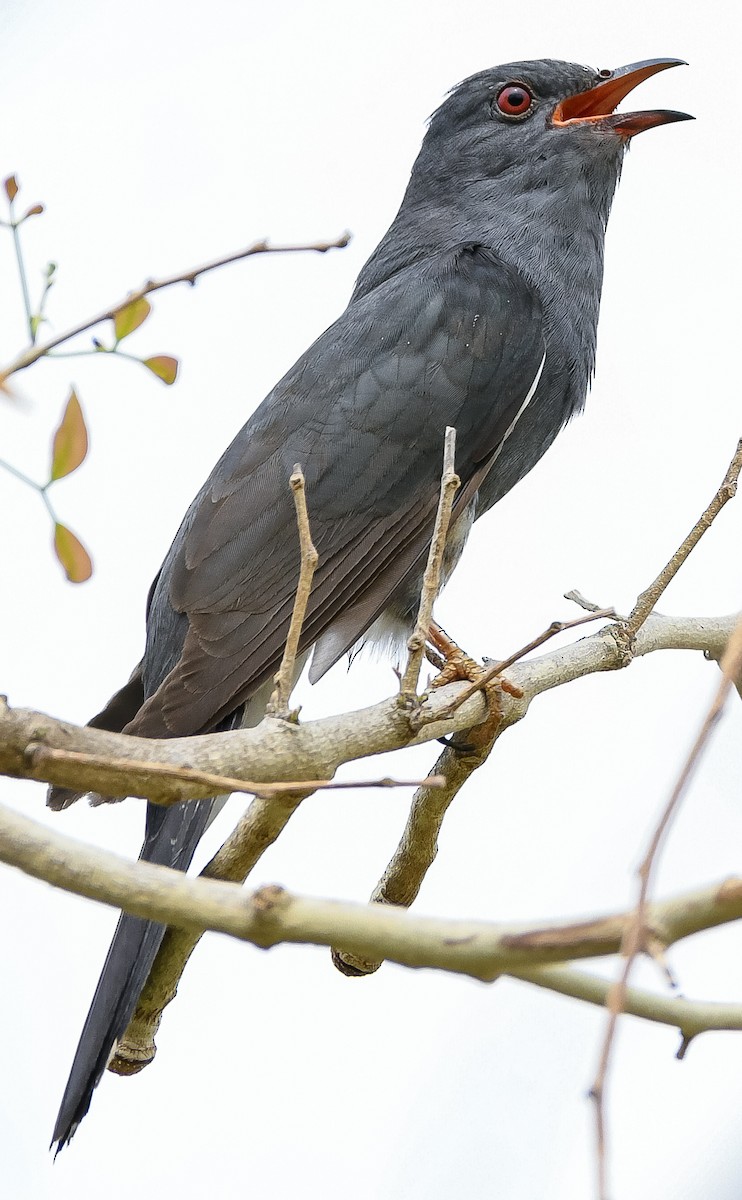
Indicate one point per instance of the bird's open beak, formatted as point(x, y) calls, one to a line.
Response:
point(596, 106)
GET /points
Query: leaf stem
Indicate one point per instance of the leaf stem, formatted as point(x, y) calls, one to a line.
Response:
point(14, 225)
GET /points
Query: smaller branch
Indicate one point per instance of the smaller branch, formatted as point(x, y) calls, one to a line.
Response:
point(284, 680)
point(42, 489)
point(34, 353)
point(496, 669)
point(23, 478)
point(648, 598)
point(418, 846)
point(690, 1017)
point(14, 225)
point(450, 484)
point(582, 601)
point(258, 828)
point(223, 784)
point(635, 934)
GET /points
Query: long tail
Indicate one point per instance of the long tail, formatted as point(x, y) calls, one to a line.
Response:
point(171, 839)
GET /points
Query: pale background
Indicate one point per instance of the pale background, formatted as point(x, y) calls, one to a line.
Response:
point(162, 134)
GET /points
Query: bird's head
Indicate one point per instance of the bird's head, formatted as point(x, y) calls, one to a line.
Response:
point(528, 112)
point(524, 158)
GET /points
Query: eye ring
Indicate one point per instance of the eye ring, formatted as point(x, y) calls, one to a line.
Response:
point(514, 100)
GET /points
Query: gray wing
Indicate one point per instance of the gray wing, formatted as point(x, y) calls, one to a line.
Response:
point(455, 340)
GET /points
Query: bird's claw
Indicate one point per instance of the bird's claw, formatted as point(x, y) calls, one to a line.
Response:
point(458, 666)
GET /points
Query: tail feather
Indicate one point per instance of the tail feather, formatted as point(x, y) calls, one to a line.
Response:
point(124, 974)
point(172, 836)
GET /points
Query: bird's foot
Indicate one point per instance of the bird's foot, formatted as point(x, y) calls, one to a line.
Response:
point(455, 665)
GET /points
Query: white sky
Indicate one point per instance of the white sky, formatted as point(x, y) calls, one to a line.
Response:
point(159, 135)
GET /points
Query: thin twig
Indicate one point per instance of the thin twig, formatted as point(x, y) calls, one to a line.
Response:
point(223, 784)
point(15, 225)
point(690, 1017)
point(450, 483)
point(496, 669)
point(583, 602)
point(284, 680)
point(34, 353)
point(648, 598)
point(635, 933)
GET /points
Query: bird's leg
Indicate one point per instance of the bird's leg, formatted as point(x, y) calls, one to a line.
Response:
point(454, 664)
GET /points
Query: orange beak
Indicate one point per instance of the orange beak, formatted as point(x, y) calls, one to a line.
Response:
point(597, 105)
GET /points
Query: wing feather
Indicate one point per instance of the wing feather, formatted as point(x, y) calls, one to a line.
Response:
point(455, 340)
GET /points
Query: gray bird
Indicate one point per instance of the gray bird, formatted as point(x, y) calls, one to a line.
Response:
point(478, 309)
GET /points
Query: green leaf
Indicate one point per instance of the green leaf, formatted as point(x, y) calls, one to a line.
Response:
point(70, 441)
point(127, 319)
point(11, 187)
point(163, 366)
point(72, 554)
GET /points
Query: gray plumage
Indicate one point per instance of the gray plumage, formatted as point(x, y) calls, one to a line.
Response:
point(487, 283)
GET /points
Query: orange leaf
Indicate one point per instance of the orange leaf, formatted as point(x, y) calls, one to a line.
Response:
point(72, 554)
point(163, 366)
point(127, 319)
point(70, 441)
point(11, 187)
point(34, 211)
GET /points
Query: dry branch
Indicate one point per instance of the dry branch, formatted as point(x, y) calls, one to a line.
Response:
point(224, 784)
point(278, 705)
point(638, 933)
point(34, 353)
point(418, 845)
point(690, 1017)
point(271, 915)
point(277, 751)
point(450, 484)
point(648, 598)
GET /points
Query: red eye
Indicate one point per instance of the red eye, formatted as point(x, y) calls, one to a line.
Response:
point(514, 100)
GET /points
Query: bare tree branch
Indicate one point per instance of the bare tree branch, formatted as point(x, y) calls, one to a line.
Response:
point(691, 1017)
point(278, 705)
point(450, 484)
point(418, 846)
point(271, 915)
point(635, 935)
point(34, 353)
point(225, 784)
point(279, 752)
point(257, 830)
point(648, 598)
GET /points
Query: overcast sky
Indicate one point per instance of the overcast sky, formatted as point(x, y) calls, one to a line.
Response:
point(159, 135)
